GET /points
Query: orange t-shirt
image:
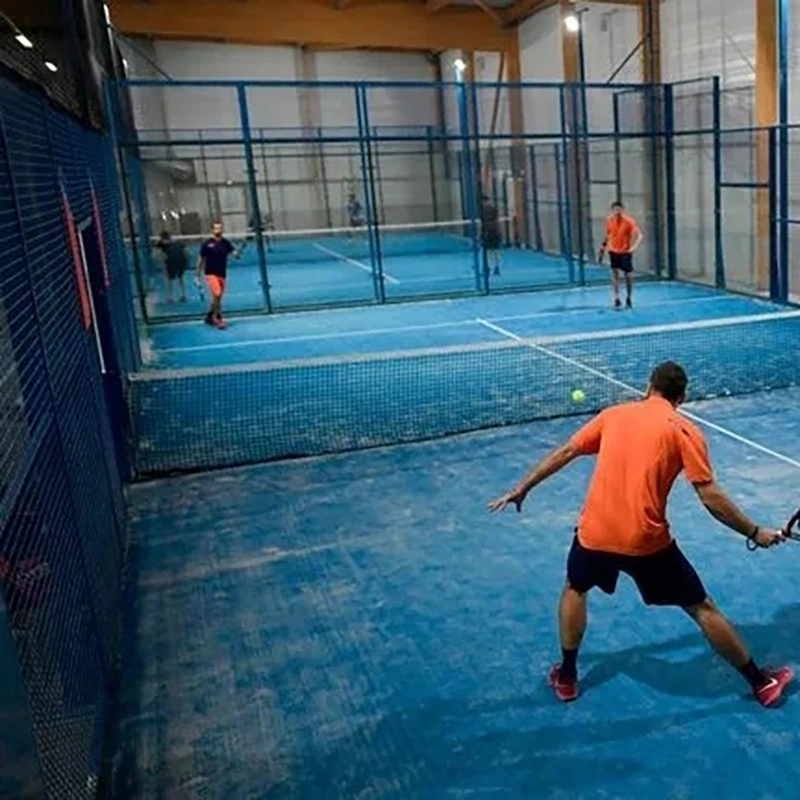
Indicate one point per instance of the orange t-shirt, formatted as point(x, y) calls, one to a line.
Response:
point(642, 447)
point(620, 232)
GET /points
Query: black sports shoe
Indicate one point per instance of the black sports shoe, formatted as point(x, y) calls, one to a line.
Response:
point(618, 303)
point(628, 303)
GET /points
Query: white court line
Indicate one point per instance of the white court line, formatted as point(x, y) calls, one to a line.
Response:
point(406, 328)
point(341, 257)
point(310, 337)
point(572, 362)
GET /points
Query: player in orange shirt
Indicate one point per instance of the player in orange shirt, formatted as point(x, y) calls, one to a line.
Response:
point(623, 236)
point(641, 449)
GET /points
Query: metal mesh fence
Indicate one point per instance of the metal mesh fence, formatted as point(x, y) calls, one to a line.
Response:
point(62, 433)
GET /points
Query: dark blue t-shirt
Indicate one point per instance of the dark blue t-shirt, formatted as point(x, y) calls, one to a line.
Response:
point(215, 253)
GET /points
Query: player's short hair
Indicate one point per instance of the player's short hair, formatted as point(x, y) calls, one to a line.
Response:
point(618, 204)
point(216, 222)
point(670, 381)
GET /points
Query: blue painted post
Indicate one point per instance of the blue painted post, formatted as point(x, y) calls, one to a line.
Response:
point(669, 166)
point(783, 148)
point(617, 150)
point(366, 172)
point(468, 174)
point(562, 235)
point(719, 261)
point(576, 144)
point(774, 255)
point(537, 220)
point(654, 172)
point(564, 187)
point(432, 174)
point(480, 255)
point(244, 115)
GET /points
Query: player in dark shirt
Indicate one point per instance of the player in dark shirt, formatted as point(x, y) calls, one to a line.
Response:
point(175, 263)
point(213, 262)
point(490, 233)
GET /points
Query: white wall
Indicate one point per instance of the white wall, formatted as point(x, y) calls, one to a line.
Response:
point(308, 183)
point(542, 61)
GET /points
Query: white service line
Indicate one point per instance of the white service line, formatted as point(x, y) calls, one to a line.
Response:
point(578, 365)
point(341, 257)
point(310, 337)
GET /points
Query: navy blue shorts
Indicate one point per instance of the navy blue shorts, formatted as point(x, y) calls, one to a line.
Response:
point(621, 261)
point(665, 578)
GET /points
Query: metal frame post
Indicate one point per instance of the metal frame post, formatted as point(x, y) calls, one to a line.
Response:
point(563, 188)
point(774, 256)
point(669, 166)
point(432, 174)
point(655, 183)
point(244, 115)
point(537, 220)
point(376, 257)
point(783, 148)
point(719, 260)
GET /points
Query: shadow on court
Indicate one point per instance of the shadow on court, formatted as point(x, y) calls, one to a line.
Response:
point(700, 673)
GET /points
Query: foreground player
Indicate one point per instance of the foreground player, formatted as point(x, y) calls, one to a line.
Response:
point(642, 447)
point(213, 262)
point(623, 236)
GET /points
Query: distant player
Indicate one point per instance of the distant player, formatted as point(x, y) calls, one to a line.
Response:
point(490, 234)
point(176, 261)
point(641, 449)
point(269, 229)
point(355, 211)
point(213, 263)
point(623, 236)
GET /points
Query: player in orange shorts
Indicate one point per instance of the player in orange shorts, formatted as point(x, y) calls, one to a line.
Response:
point(641, 449)
point(213, 262)
point(623, 236)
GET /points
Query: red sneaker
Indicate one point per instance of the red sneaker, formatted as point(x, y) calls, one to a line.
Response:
point(771, 693)
point(566, 689)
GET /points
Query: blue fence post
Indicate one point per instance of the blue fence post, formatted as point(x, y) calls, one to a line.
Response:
point(473, 130)
point(537, 219)
point(719, 261)
point(783, 148)
point(655, 163)
point(669, 166)
point(774, 256)
point(432, 174)
point(258, 226)
point(563, 187)
point(373, 236)
point(617, 150)
point(469, 185)
point(579, 174)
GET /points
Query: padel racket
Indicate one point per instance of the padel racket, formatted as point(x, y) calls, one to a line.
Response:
point(790, 531)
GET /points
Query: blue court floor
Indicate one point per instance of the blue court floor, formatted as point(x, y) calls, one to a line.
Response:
point(358, 626)
point(437, 323)
point(338, 272)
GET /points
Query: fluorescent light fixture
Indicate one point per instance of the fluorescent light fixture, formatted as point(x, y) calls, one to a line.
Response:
point(460, 64)
point(125, 64)
point(107, 12)
point(572, 23)
point(51, 66)
point(24, 40)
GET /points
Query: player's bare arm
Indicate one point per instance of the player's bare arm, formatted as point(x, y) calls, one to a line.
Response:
point(549, 465)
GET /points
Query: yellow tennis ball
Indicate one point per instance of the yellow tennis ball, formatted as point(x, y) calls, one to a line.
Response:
point(578, 396)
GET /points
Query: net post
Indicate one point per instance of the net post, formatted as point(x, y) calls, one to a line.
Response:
point(244, 118)
point(669, 168)
point(719, 261)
